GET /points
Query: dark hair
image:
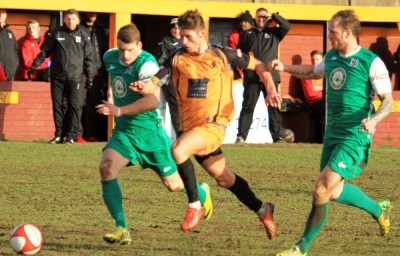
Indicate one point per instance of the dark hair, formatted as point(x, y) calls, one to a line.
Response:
point(192, 20)
point(349, 20)
point(71, 11)
point(128, 34)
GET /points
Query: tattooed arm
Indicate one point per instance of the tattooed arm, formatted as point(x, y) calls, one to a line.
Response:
point(299, 71)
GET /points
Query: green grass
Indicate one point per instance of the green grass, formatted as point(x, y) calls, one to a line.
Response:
point(58, 188)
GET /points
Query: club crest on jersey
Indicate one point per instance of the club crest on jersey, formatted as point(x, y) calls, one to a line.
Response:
point(337, 78)
point(119, 87)
point(353, 62)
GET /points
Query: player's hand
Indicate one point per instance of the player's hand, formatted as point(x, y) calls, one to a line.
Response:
point(107, 109)
point(369, 125)
point(275, 65)
point(273, 99)
point(144, 87)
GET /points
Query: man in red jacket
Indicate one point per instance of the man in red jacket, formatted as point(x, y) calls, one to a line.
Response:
point(30, 48)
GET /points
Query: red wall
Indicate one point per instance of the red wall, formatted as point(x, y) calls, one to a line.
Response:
point(32, 117)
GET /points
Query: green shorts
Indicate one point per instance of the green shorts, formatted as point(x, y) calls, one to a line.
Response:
point(152, 149)
point(347, 158)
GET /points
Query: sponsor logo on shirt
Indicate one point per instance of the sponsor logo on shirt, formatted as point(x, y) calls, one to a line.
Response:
point(78, 39)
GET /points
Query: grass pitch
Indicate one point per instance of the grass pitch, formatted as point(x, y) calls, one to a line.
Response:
point(58, 188)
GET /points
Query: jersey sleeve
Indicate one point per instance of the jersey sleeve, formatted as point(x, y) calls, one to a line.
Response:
point(379, 77)
point(319, 69)
point(148, 70)
point(240, 60)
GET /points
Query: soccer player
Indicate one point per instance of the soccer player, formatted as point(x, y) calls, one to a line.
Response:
point(202, 76)
point(354, 74)
point(137, 136)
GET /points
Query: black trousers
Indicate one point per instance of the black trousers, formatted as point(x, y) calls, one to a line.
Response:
point(92, 123)
point(65, 99)
point(251, 93)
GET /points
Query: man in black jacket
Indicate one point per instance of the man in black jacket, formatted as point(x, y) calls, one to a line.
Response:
point(72, 54)
point(263, 41)
point(8, 50)
point(165, 48)
point(93, 126)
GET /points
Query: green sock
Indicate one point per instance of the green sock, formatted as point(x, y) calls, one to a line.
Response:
point(352, 195)
point(112, 196)
point(200, 191)
point(315, 221)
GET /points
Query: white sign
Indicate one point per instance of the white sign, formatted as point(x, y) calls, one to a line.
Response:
point(259, 132)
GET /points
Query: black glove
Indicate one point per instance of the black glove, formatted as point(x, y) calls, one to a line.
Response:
point(89, 83)
point(31, 71)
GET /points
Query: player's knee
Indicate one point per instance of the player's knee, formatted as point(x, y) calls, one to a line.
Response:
point(105, 169)
point(320, 192)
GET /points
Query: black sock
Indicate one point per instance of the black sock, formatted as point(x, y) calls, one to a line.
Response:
point(245, 195)
point(186, 170)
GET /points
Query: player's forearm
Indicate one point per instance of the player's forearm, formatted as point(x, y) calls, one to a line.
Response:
point(147, 103)
point(385, 108)
point(301, 71)
point(265, 77)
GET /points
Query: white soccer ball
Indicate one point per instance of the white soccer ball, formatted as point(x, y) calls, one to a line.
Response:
point(26, 239)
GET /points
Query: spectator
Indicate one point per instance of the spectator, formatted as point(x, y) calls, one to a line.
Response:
point(72, 54)
point(90, 125)
point(263, 41)
point(312, 88)
point(8, 50)
point(165, 48)
point(30, 48)
point(246, 23)
point(313, 91)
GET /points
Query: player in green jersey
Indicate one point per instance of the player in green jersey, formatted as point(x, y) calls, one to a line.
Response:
point(138, 136)
point(353, 75)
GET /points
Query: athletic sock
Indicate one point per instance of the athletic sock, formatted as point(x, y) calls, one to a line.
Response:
point(315, 221)
point(352, 195)
point(245, 195)
point(201, 192)
point(186, 171)
point(112, 197)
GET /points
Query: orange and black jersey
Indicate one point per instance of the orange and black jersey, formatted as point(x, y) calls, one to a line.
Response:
point(203, 84)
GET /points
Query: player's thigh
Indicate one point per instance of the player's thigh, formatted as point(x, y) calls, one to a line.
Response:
point(213, 135)
point(188, 144)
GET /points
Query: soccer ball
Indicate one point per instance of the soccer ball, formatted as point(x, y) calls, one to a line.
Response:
point(26, 239)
